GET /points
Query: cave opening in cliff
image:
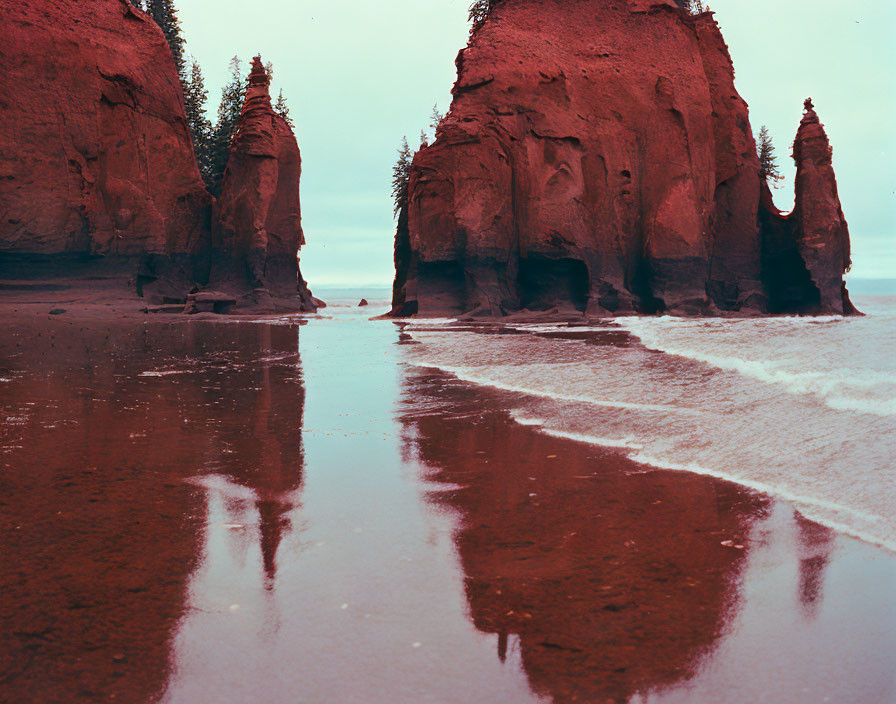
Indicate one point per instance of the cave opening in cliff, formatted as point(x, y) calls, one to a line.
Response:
point(546, 283)
point(442, 285)
point(788, 283)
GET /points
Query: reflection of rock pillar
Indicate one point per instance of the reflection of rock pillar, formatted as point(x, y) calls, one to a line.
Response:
point(267, 450)
point(273, 524)
point(271, 508)
point(816, 545)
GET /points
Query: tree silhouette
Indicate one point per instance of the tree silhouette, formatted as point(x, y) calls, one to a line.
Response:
point(195, 96)
point(695, 7)
point(229, 111)
point(768, 162)
point(436, 118)
point(282, 109)
point(479, 10)
point(401, 176)
point(165, 15)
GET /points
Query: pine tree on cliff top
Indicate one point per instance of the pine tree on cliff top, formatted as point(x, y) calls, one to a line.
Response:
point(401, 176)
point(282, 109)
point(478, 12)
point(229, 110)
point(436, 118)
point(695, 7)
point(195, 96)
point(768, 162)
point(165, 15)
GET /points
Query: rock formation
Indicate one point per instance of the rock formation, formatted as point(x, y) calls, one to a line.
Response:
point(808, 251)
point(257, 227)
point(95, 152)
point(597, 159)
point(99, 176)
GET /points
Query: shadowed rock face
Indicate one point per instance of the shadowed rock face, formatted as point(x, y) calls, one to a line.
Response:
point(258, 221)
point(596, 159)
point(95, 151)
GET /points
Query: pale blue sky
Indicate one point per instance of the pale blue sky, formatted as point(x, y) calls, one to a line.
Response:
point(359, 74)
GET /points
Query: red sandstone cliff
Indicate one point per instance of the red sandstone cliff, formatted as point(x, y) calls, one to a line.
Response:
point(258, 222)
point(98, 172)
point(95, 152)
point(599, 162)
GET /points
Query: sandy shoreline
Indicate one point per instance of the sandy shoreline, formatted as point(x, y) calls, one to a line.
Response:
point(385, 532)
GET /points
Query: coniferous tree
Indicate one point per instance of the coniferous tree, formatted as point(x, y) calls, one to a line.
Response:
point(479, 10)
point(195, 96)
point(695, 7)
point(165, 15)
point(768, 162)
point(436, 118)
point(401, 176)
point(424, 139)
point(229, 110)
point(282, 109)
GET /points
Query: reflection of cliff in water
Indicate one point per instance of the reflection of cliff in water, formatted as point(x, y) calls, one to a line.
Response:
point(609, 581)
point(816, 544)
point(263, 452)
point(102, 529)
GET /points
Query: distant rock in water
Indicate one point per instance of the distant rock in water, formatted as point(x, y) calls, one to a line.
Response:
point(257, 228)
point(100, 181)
point(95, 152)
point(598, 160)
point(364, 302)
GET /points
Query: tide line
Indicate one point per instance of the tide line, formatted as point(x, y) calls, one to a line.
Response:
point(636, 454)
point(466, 374)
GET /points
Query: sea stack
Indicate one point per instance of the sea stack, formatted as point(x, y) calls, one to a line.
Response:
point(597, 160)
point(257, 230)
point(96, 161)
point(819, 226)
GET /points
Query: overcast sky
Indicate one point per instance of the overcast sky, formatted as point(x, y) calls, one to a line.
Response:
point(359, 74)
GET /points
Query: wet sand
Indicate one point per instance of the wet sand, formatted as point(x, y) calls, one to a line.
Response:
point(283, 511)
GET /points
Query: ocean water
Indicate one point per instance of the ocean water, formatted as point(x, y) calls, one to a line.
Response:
point(296, 509)
point(803, 409)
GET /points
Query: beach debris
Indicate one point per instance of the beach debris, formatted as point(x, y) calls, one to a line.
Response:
point(209, 302)
point(733, 544)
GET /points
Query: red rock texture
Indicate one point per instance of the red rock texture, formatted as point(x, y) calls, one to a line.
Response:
point(257, 229)
point(806, 253)
point(600, 162)
point(95, 151)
